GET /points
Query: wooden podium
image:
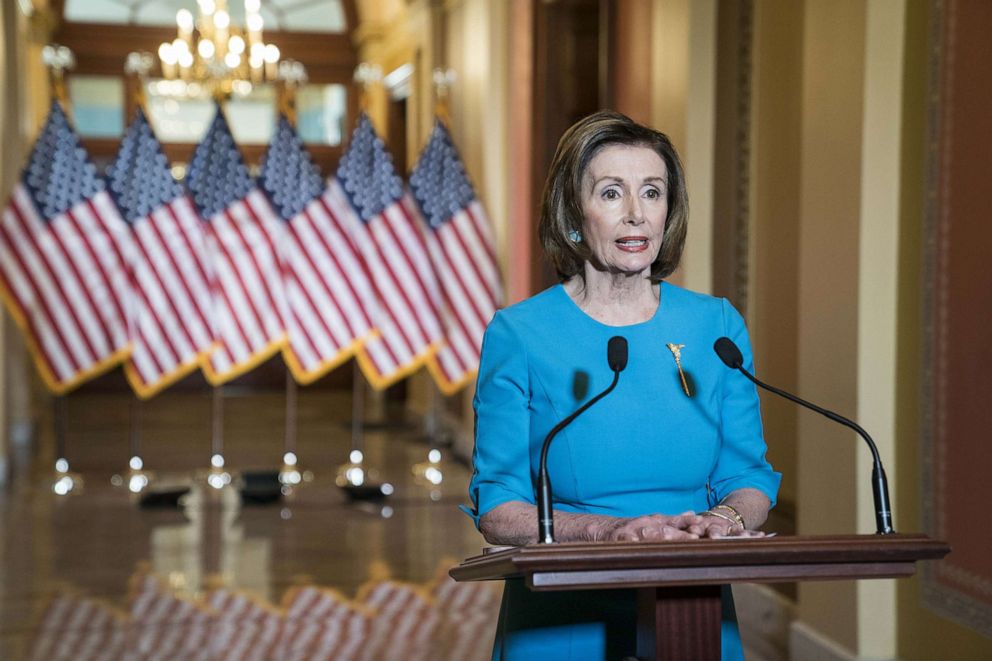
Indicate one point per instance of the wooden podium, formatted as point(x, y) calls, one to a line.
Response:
point(678, 583)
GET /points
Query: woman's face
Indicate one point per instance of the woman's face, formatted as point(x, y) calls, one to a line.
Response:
point(624, 207)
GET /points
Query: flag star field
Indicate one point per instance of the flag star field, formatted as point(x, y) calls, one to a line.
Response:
point(59, 174)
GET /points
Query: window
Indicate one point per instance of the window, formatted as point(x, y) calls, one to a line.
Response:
point(97, 105)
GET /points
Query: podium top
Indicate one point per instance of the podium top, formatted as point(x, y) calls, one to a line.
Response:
point(582, 565)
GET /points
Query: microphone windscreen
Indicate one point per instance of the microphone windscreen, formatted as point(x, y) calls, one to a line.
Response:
point(729, 353)
point(616, 353)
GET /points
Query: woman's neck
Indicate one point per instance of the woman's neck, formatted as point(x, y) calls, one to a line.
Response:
point(614, 299)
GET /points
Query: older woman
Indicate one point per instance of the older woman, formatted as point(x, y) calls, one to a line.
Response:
point(675, 452)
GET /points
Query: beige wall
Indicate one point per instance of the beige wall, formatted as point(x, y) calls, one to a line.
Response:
point(683, 98)
point(830, 190)
point(774, 233)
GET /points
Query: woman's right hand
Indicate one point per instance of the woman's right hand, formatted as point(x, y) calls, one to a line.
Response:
point(653, 527)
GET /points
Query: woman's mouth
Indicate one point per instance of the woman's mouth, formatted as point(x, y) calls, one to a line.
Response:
point(632, 243)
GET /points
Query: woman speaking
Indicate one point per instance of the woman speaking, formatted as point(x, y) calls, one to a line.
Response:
point(675, 452)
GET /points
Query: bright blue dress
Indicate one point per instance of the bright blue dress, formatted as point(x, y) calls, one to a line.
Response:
point(646, 448)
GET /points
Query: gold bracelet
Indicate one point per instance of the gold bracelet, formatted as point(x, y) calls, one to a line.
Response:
point(737, 515)
point(721, 516)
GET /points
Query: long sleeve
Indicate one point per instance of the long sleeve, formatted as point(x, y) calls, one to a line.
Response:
point(502, 422)
point(741, 462)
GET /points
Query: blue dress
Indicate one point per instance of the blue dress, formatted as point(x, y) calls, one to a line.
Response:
point(646, 448)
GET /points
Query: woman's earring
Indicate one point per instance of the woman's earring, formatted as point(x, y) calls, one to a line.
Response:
point(575, 236)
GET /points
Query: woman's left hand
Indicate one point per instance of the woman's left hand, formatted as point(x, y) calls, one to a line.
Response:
point(715, 527)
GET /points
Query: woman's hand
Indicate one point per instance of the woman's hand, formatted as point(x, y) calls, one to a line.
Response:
point(515, 524)
point(737, 515)
point(649, 528)
point(715, 527)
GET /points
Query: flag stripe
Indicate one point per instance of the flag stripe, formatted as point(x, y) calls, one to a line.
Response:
point(484, 234)
point(53, 300)
point(87, 234)
point(250, 273)
point(147, 283)
point(236, 287)
point(419, 269)
point(168, 251)
point(458, 281)
point(323, 316)
point(55, 358)
point(175, 304)
point(250, 331)
point(472, 223)
point(304, 329)
point(301, 253)
point(357, 270)
point(397, 270)
point(263, 258)
point(395, 335)
point(48, 270)
point(467, 258)
point(57, 258)
point(152, 350)
point(187, 222)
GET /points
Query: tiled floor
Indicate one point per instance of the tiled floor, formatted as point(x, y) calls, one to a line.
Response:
point(93, 544)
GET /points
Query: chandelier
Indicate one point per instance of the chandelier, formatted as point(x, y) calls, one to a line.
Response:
point(213, 52)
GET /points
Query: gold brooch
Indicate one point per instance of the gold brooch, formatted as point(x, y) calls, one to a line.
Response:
point(676, 350)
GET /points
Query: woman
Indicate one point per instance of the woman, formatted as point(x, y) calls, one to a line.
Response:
point(674, 453)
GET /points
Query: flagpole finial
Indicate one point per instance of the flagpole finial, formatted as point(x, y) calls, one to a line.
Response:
point(57, 60)
point(367, 75)
point(443, 80)
point(291, 75)
point(136, 67)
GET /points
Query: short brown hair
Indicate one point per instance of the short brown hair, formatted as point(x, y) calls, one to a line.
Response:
point(561, 202)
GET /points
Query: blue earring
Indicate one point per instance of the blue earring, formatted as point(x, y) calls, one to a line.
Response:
point(575, 236)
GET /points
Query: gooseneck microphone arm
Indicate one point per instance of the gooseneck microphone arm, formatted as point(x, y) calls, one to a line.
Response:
point(617, 355)
point(730, 354)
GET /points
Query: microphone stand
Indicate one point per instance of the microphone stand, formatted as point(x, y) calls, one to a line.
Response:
point(879, 483)
point(545, 516)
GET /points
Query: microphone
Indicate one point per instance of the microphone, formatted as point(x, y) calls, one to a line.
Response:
point(731, 356)
point(616, 357)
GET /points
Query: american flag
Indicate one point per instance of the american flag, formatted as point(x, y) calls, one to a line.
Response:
point(367, 197)
point(461, 251)
point(243, 233)
point(326, 284)
point(172, 329)
point(63, 264)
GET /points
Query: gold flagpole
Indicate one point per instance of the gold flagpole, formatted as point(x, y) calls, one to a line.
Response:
point(292, 75)
point(136, 70)
point(430, 473)
point(58, 59)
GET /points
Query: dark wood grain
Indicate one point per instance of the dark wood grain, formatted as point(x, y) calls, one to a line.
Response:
point(693, 613)
point(746, 560)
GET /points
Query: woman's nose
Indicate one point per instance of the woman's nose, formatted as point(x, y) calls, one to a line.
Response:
point(634, 215)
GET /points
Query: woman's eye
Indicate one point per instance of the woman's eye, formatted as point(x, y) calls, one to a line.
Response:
point(652, 193)
point(610, 194)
